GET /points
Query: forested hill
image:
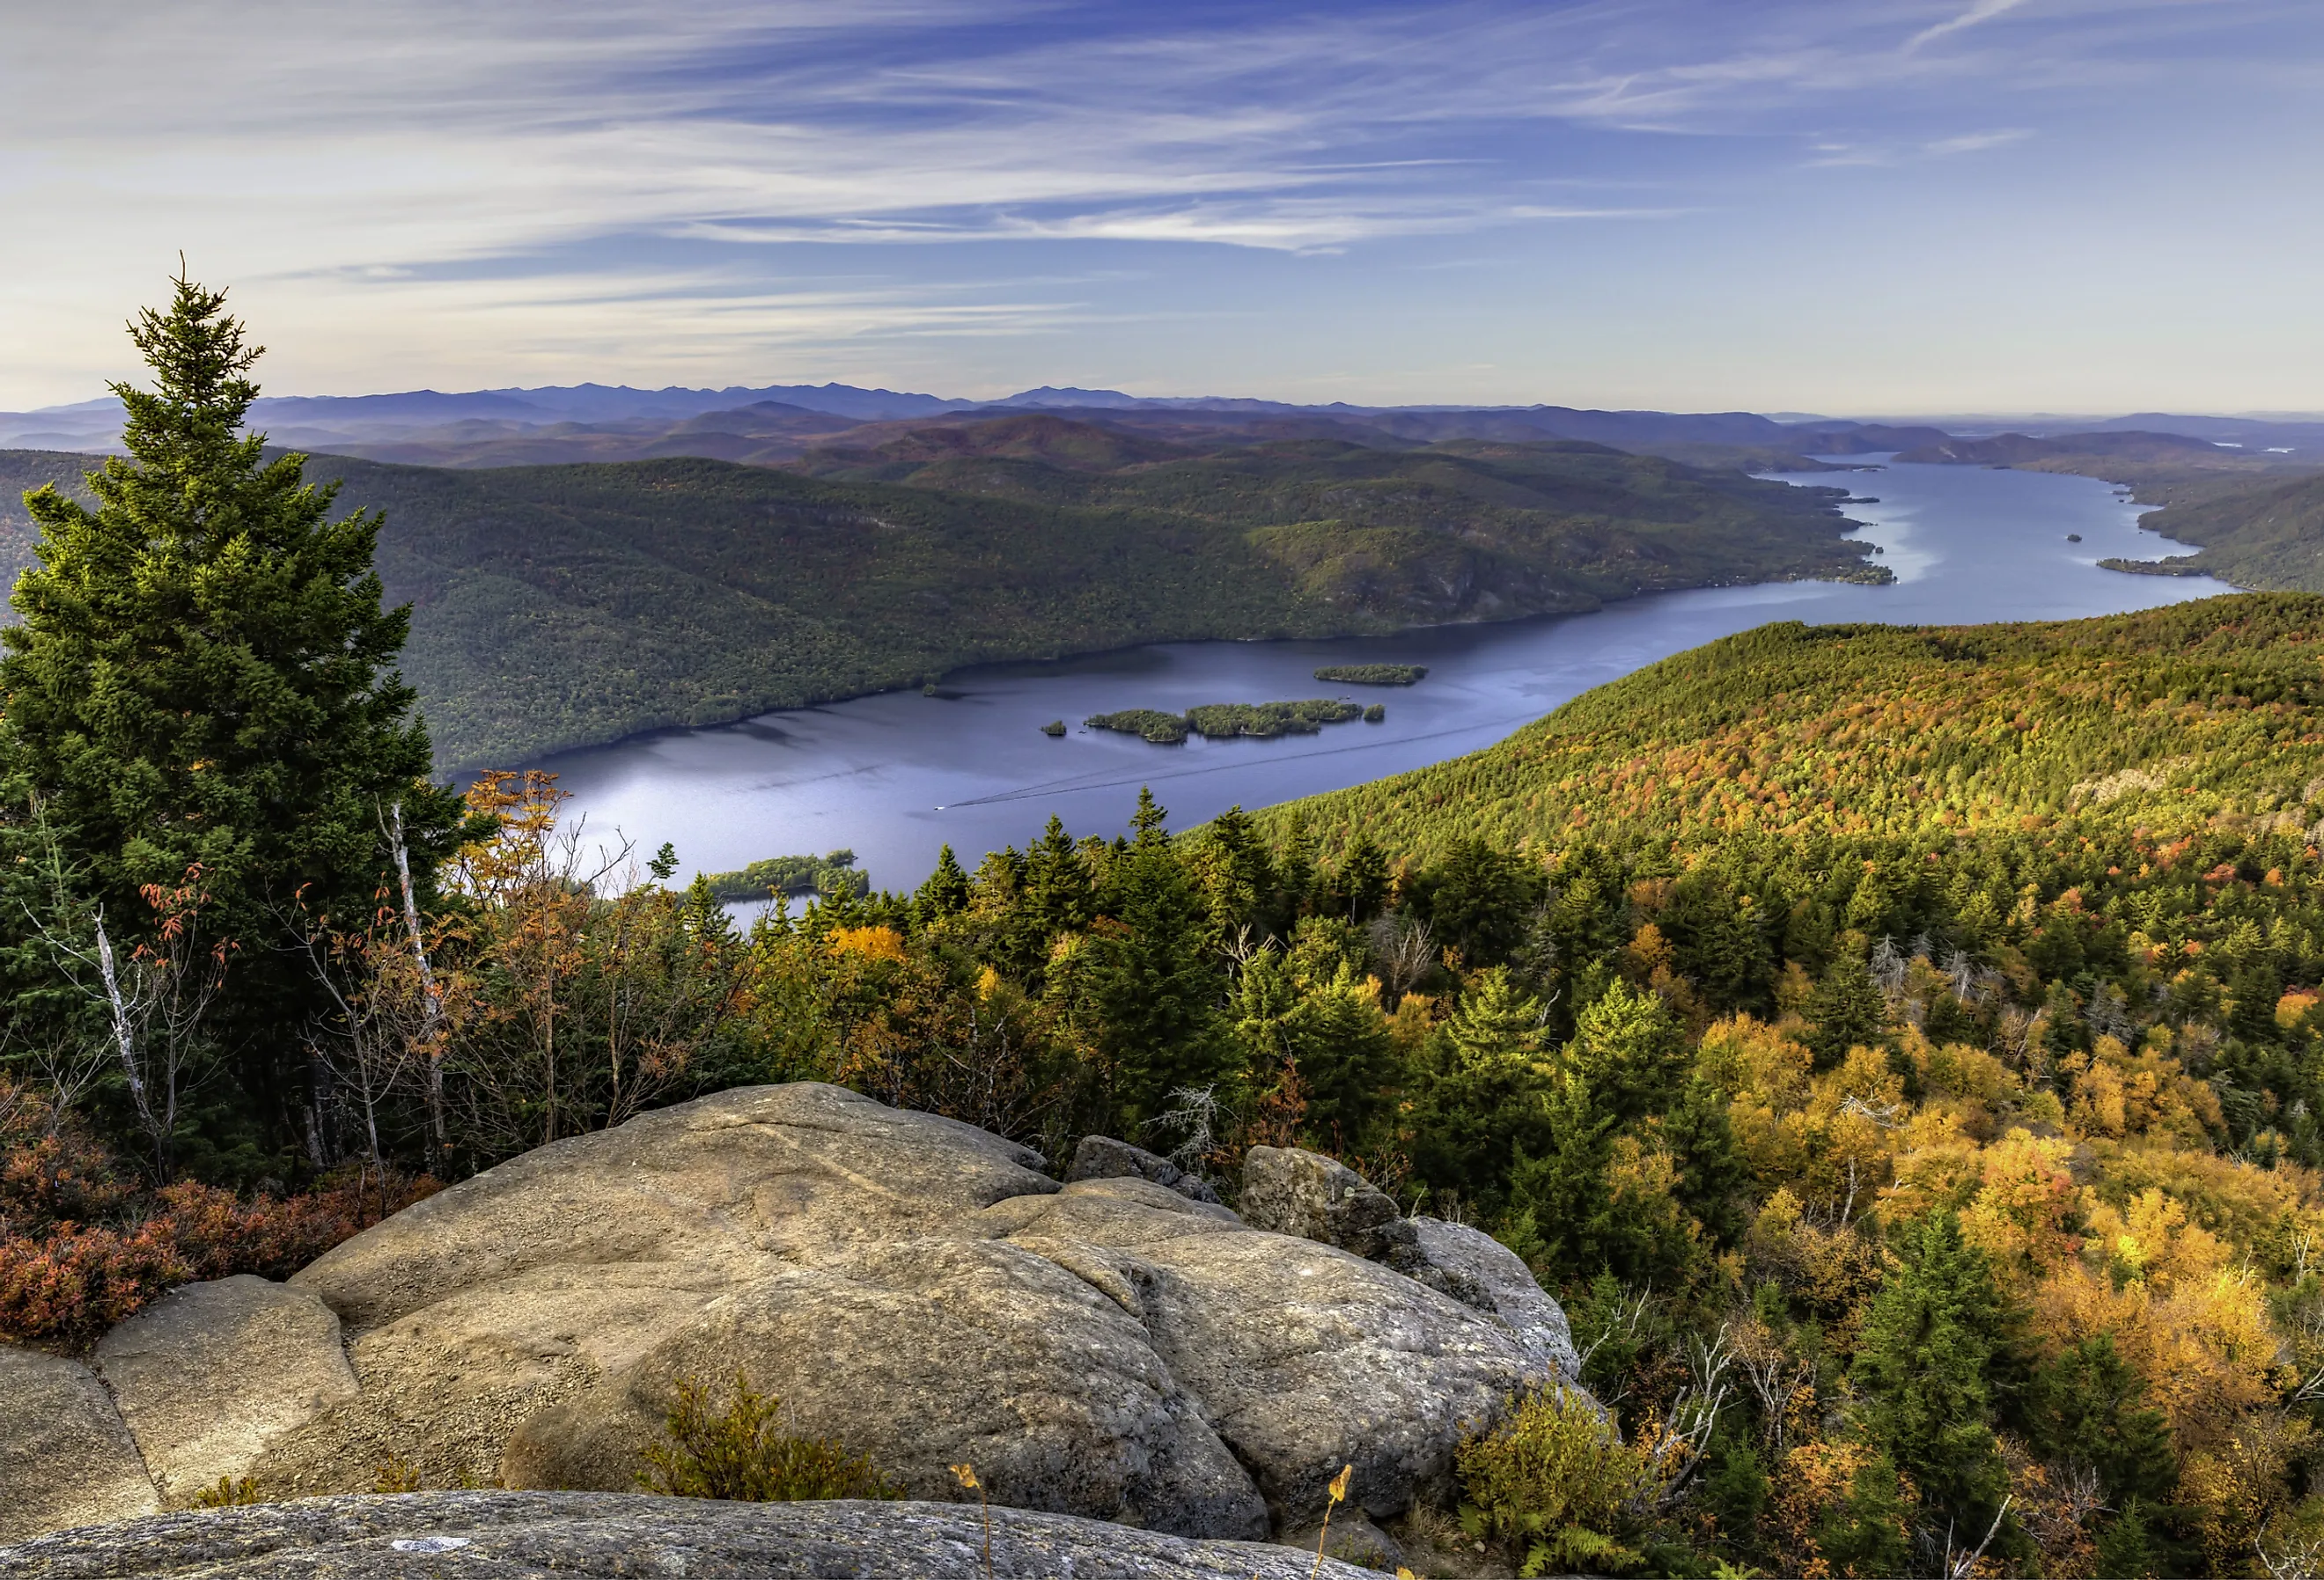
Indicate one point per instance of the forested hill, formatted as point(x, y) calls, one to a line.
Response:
point(563, 605)
point(2171, 718)
point(2258, 531)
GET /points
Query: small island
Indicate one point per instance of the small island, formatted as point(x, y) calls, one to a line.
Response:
point(1222, 721)
point(1372, 674)
point(832, 874)
point(1054, 728)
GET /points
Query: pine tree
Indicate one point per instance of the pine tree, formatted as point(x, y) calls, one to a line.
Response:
point(1629, 1047)
point(1711, 1173)
point(1347, 1060)
point(1057, 883)
point(1158, 985)
point(1559, 1199)
point(2088, 1407)
point(1935, 1344)
point(204, 676)
point(1864, 1532)
point(1483, 1092)
point(1357, 889)
point(946, 893)
point(1236, 874)
point(1480, 901)
point(1846, 1012)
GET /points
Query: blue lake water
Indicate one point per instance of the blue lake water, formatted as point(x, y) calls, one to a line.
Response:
point(896, 776)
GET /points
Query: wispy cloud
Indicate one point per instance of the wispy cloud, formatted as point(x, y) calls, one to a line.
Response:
point(436, 178)
point(1980, 10)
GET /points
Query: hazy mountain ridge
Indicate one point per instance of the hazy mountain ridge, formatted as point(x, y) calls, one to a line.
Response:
point(591, 421)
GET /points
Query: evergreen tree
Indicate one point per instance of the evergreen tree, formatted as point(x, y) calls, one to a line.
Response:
point(946, 893)
point(1560, 1205)
point(1720, 943)
point(1295, 879)
point(1358, 887)
point(1158, 985)
point(1847, 1011)
point(1236, 874)
point(1864, 1532)
point(1057, 890)
point(1629, 1047)
point(1347, 1060)
point(204, 676)
point(1711, 1173)
point(1480, 901)
point(2088, 1407)
point(2126, 1546)
point(1933, 1346)
point(1483, 1093)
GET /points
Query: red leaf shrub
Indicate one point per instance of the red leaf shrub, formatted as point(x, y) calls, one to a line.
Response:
point(81, 1251)
point(64, 1290)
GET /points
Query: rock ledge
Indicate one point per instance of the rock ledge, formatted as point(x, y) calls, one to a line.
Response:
point(614, 1536)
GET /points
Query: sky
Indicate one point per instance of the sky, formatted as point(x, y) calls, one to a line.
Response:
point(1846, 206)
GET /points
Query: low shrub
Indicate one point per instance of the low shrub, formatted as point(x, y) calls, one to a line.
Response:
point(1556, 1488)
point(229, 1494)
point(742, 1453)
point(82, 1247)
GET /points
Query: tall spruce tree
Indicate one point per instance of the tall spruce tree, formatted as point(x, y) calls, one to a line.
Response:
point(204, 676)
point(1158, 984)
point(1932, 1360)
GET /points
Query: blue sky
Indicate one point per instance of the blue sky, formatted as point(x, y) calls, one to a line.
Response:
point(1862, 207)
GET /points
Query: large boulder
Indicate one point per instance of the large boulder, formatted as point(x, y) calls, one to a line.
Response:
point(1294, 1191)
point(1480, 1272)
point(211, 1374)
point(911, 1286)
point(599, 1536)
point(1291, 1190)
point(1104, 1158)
point(65, 1456)
point(948, 1351)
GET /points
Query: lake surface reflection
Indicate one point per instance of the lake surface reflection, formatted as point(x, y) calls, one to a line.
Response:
point(894, 777)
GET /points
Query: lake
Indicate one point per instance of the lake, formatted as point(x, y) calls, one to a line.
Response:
point(895, 777)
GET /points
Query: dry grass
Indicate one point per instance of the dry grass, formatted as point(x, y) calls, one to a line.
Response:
point(740, 1453)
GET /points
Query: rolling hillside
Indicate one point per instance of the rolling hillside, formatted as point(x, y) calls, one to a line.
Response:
point(2169, 718)
point(2255, 532)
point(563, 605)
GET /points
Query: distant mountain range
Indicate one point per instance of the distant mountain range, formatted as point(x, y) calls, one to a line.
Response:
point(778, 422)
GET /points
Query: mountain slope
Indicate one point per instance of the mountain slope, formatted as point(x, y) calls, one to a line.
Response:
point(2010, 449)
point(2255, 532)
point(563, 605)
point(2172, 717)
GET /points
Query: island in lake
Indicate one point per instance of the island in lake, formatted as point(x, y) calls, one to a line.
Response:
point(1220, 721)
point(1372, 674)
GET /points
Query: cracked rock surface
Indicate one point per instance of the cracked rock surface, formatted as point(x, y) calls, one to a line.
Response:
point(914, 1287)
point(599, 1536)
